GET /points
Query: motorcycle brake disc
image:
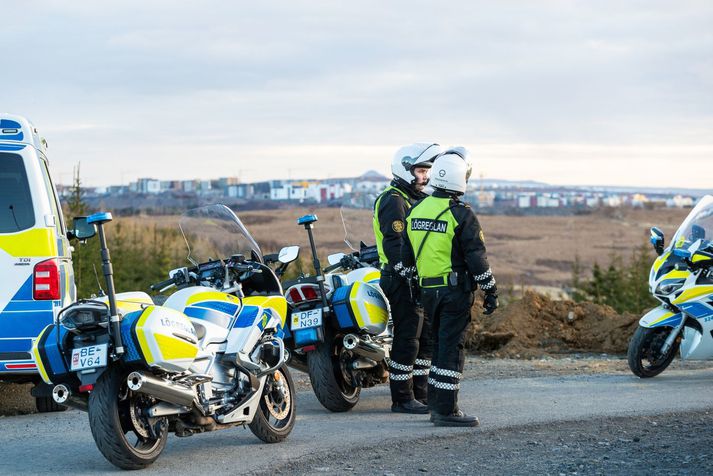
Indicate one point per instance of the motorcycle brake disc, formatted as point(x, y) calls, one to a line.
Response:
point(280, 408)
point(140, 426)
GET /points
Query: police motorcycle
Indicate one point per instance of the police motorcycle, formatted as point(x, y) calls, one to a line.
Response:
point(682, 279)
point(340, 331)
point(211, 357)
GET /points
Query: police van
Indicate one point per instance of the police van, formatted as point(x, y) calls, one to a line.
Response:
point(35, 260)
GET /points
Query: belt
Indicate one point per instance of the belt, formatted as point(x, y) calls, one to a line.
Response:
point(454, 278)
point(387, 270)
point(433, 282)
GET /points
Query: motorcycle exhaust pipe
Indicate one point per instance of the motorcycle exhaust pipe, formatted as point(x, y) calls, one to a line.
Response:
point(63, 396)
point(161, 389)
point(362, 348)
point(363, 363)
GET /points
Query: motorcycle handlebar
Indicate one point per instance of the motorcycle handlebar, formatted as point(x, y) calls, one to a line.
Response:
point(690, 265)
point(162, 284)
point(347, 262)
point(331, 268)
point(702, 264)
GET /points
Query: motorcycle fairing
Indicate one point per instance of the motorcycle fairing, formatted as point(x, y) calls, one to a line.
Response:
point(693, 345)
point(660, 317)
point(698, 310)
point(692, 293)
point(258, 313)
point(247, 411)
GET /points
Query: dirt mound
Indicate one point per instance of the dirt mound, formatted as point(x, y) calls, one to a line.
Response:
point(536, 325)
point(15, 399)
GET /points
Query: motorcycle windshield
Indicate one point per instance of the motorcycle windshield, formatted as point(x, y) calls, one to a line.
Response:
point(214, 232)
point(358, 227)
point(698, 225)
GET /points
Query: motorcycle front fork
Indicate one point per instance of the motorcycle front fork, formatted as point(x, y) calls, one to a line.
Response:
point(672, 337)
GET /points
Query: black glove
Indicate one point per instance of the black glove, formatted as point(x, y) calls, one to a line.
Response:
point(490, 303)
point(404, 272)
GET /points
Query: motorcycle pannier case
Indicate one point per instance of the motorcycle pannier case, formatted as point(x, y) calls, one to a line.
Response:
point(361, 306)
point(159, 337)
point(52, 365)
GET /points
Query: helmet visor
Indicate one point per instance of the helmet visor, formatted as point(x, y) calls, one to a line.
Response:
point(419, 161)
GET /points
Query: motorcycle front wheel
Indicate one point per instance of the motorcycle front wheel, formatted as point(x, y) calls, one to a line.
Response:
point(644, 355)
point(123, 433)
point(275, 415)
point(326, 366)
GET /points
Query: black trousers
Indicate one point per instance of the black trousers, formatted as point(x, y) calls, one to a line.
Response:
point(411, 351)
point(449, 311)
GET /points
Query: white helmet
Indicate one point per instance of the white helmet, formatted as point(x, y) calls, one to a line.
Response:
point(409, 157)
point(451, 170)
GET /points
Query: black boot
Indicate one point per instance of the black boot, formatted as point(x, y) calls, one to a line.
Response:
point(457, 418)
point(414, 407)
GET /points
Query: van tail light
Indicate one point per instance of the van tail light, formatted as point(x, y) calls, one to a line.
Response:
point(45, 281)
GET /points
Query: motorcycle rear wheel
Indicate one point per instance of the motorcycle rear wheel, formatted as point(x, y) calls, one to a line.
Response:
point(330, 386)
point(124, 435)
point(644, 355)
point(275, 416)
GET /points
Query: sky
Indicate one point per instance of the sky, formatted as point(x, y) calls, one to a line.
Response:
point(560, 91)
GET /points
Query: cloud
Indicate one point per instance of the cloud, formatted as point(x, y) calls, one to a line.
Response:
point(311, 76)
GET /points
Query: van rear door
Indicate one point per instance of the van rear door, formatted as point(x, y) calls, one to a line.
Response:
point(30, 294)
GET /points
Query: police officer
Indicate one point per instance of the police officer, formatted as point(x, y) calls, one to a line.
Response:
point(446, 244)
point(410, 354)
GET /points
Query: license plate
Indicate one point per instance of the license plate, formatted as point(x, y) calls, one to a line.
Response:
point(306, 319)
point(89, 357)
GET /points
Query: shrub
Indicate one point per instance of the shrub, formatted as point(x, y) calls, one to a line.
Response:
point(622, 284)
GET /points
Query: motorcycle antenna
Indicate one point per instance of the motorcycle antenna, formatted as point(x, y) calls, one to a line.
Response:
point(96, 275)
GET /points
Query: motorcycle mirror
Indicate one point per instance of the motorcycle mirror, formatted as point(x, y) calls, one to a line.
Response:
point(288, 254)
point(82, 229)
point(180, 273)
point(335, 258)
point(657, 240)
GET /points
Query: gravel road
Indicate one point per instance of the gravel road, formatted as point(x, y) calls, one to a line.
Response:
point(670, 444)
point(514, 409)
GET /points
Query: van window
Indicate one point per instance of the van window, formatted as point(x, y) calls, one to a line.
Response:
point(16, 211)
point(52, 194)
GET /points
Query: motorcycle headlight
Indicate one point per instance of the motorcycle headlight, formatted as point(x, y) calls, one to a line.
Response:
point(667, 287)
point(85, 315)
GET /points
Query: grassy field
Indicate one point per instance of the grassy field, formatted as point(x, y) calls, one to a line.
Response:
point(523, 250)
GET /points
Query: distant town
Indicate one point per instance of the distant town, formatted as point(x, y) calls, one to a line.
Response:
point(153, 196)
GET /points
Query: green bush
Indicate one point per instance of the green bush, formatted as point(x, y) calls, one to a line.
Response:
point(140, 256)
point(623, 285)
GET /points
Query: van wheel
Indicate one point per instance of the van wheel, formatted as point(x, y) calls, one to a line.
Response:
point(47, 405)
